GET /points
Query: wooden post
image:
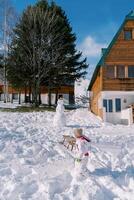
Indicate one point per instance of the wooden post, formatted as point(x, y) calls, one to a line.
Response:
point(126, 71)
point(115, 71)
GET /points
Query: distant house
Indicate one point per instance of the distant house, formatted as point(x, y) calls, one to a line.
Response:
point(67, 91)
point(112, 83)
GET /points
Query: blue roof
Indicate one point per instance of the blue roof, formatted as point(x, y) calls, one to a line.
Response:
point(101, 62)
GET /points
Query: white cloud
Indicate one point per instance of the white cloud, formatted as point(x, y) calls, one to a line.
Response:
point(1, 48)
point(90, 47)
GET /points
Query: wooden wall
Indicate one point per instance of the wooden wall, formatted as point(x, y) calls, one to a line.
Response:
point(117, 84)
point(122, 53)
point(63, 90)
point(96, 92)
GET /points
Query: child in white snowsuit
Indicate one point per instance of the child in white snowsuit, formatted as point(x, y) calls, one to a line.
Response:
point(82, 152)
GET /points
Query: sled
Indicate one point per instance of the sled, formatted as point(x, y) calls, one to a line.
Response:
point(69, 142)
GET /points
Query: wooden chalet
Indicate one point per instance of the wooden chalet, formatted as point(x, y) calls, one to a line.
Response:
point(112, 83)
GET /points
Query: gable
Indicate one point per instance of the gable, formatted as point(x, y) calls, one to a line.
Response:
point(122, 51)
point(118, 39)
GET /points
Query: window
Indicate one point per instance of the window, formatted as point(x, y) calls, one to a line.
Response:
point(128, 34)
point(105, 104)
point(108, 105)
point(130, 71)
point(117, 105)
point(15, 96)
point(71, 98)
point(120, 71)
point(110, 72)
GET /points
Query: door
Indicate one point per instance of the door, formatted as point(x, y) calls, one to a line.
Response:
point(71, 98)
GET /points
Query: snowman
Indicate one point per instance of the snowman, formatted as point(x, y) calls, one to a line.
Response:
point(59, 118)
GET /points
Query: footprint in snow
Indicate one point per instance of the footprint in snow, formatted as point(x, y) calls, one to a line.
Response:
point(2, 145)
point(28, 189)
point(57, 185)
point(5, 172)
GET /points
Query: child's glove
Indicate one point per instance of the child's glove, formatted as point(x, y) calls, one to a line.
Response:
point(78, 160)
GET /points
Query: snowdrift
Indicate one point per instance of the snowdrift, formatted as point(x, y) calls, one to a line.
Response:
point(34, 165)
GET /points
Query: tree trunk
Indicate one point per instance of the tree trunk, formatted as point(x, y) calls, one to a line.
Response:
point(32, 97)
point(49, 97)
point(30, 94)
point(36, 92)
point(56, 97)
point(49, 93)
point(20, 97)
point(12, 98)
point(25, 94)
point(35, 97)
point(40, 97)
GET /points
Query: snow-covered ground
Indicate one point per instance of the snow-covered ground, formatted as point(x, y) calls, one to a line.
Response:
point(35, 166)
point(9, 105)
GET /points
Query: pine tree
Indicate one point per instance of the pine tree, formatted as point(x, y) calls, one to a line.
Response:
point(43, 50)
point(66, 63)
point(1, 61)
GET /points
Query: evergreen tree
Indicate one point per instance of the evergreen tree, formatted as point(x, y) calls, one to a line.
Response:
point(1, 61)
point(43, 50)
point(66, 63)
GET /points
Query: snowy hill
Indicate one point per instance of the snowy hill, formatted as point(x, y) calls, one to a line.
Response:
point(35, 166)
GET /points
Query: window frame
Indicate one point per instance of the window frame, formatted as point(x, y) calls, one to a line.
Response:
point(110, 109)
point(116, 105)
point(108, 105)
point(118, 75)
point(125, 34)
point(108, 76)
point(130, 67)
point(105, 104)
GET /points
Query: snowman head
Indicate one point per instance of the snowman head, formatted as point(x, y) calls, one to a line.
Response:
point(61, 96)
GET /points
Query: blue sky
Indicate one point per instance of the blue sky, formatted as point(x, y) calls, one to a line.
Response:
point(94, 21)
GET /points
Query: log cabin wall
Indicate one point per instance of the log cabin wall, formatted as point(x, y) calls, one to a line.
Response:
point(117, 84)
point(44, 90)
point(122, 51)
point(121, 54)
point(96, 93)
